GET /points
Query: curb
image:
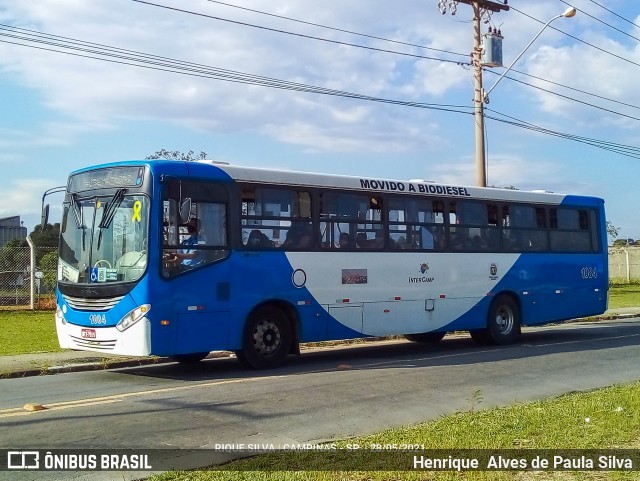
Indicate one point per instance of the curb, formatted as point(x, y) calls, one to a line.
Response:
point(102, 365)
point(99, 364)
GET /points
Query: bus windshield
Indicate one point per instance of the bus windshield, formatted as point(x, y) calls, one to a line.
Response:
point(103, 239)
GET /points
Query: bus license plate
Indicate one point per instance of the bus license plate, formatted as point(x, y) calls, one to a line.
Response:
point(89, 333)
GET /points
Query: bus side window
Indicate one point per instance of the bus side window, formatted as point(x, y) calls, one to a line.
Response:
point(202, 238)
point(356, 217)
point(416, 223)
point(276, 217)
point(524, 228)
point(569, 230)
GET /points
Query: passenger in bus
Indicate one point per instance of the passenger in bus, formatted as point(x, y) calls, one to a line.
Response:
point(378, 241)
point(300, 236)
point(460, 240)
point(188, 255)
point(477, 244)
point(361, 240)
point(403, 243)
point(258, 239)
point(344, 242)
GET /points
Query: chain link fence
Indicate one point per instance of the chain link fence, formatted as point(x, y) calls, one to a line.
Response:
point(624, 265)
point(28, 277)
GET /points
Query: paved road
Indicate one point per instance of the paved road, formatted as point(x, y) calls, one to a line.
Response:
point(327, 394)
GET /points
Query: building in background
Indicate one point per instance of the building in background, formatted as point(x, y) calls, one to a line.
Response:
point(11, 228)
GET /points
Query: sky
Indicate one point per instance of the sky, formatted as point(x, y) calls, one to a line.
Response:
point(124, 79)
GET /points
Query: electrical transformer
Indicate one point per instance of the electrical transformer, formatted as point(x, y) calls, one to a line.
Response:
point(492, 49)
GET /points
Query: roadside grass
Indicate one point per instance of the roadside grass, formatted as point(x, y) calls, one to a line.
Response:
point(27, 332)
point(607, 418)
point(627, 295)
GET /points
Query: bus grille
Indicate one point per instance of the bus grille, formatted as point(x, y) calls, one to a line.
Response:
point(102, 345)
point(84, 304)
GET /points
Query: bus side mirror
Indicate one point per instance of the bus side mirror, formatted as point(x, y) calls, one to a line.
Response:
point(185, 210)
point(44, 218)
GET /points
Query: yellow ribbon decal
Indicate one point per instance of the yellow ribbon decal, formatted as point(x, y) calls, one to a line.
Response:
point(137, 207)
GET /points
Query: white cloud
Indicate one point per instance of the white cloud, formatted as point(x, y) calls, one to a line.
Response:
point(50, 134)
point(600, 74)
point(502, 171)
point(17, 197)
point(95, 92)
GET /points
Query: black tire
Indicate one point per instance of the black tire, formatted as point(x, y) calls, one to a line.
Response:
point(503, 323)
point(267, 339)
point(481, 336)
point(426, 337)
point(190, 358)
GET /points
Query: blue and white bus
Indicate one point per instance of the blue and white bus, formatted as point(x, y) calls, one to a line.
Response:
point(178, 259)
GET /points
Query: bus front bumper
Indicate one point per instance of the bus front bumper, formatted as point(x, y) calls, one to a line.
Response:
point(134, 341)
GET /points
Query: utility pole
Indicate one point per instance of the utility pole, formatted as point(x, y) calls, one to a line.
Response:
point(478, 97)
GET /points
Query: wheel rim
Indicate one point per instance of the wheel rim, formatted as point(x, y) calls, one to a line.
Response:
point(505, 319)
point(266, 337)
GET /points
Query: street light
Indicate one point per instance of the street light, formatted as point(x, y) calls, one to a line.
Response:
point(482, 97)
point(568, 13)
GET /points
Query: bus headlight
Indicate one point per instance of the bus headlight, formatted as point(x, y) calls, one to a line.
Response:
point(132, 317)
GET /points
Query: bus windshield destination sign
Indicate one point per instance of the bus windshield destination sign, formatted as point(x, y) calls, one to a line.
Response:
point(107, 178)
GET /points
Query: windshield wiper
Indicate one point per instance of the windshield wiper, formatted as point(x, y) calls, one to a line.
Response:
point(110, 213)
point(112, 207)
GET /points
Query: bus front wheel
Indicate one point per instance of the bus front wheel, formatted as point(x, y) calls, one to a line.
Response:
point(503, 323)
point(267, 339)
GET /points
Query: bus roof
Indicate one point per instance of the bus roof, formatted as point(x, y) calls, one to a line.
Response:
point(213, 169)
point(384, 185)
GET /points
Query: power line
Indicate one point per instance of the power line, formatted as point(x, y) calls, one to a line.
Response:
point(571, 88)
point(338, 29)
point(519, 81)
point(611, 12)
point(332, 28)
point(557, 94)
point(69, 46)
point(311, 37)
point(580, 40)
point(80, 48)
point(622, 149)
point(624, 104)
point(605, 23)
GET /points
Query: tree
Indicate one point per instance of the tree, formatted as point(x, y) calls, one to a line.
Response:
point(624, 242)
point(48, 266)
point(47, 238)
point(13, 253)
point(612, 231)
point(44, 241)
point(177, 155)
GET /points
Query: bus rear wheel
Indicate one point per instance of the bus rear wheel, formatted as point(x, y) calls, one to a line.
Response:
point(267, 339)
point(503, 323)
point(425, 337)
